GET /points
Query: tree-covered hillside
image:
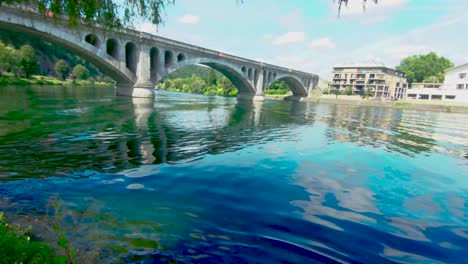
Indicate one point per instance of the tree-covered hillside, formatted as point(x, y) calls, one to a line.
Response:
point(47, 53)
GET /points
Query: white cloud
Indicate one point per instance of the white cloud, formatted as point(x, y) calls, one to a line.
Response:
point(405, 50)
point(146, 27)
point(438, 37)
point(322, 44)
point(290, 37)
point(189, 19)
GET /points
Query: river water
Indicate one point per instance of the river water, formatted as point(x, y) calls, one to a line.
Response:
point(199, 179)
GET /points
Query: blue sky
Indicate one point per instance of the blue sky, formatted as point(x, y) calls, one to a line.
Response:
point(308, 35)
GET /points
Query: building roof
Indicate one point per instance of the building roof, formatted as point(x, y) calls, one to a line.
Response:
point(369, 66)
point(453, 68)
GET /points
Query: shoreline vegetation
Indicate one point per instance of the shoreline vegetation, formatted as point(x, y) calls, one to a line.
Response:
point(34, 80)
point(49, 81)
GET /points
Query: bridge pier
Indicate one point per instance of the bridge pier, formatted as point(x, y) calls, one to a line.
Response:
point(250, 97)
point(136, 91)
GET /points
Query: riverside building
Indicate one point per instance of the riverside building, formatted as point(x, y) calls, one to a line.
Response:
point(386, 83)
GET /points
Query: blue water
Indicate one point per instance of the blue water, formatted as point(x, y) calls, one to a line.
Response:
point(198, 179)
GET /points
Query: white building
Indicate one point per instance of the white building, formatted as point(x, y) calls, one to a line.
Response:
point(456, 78)
point(454, 89)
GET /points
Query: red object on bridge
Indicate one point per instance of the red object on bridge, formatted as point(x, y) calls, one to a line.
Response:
point(221, 54)
point(49, 13)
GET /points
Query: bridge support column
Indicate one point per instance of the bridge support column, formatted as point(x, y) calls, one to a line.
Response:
point(259, 87)
point(144, 87)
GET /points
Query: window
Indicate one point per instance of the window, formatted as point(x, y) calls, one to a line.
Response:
point(467, 86)
point(462, 75)
point(450, 97)
point(460, 86)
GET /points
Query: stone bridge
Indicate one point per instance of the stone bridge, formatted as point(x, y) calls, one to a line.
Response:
point(137, 61)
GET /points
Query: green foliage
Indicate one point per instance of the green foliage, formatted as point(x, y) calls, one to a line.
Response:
point(348, 90)
point(105, 12)
point(195, 84)
point(211, 78)
point(62, 69)
point(336, 92)
point(80, 72)
point(191, 70)
point(439, 78)
point(367, 93)
point(47, 53)
point(422, 67)
point(326, 91)
point(28, 61)
point(277, 91)
point(16, 246)
point(279, 87)
point(9, 58)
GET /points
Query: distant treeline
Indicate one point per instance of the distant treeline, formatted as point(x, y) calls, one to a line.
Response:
point(204, 80)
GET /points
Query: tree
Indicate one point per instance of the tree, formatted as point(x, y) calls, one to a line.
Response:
point(349, 90)
point(336, 92)
point(211, 78)
point(80, 72)
point(62, 69)
point(422, 67)
point(9, 58)
point(28, 61)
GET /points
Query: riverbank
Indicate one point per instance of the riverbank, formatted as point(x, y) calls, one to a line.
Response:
point(46, 80)
point(442, 106)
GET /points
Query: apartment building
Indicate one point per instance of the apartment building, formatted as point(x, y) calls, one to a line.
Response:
point(385, 82)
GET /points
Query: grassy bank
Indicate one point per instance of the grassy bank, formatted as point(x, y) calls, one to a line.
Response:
point(46, 80)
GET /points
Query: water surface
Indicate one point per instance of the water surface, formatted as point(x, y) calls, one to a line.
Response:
point(201, 179)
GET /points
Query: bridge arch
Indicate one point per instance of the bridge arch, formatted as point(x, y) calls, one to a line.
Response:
point(131, 56)
point(294, 83)
point(168, 59)
point(154, 58)
point(180, 57)
point(112, 48)
point(93, 39)
point(232, 72)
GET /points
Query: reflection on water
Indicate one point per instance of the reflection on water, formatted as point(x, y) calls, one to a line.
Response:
point(211, 180)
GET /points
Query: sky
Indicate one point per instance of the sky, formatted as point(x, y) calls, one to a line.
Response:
point(309, 35)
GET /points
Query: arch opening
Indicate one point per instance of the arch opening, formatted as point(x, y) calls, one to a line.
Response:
point(180, 57)
point(154, 57)
point(285, 85)
point(131, 56)
point(255, 76)
point(93, 40)
point(244, 69)
point(249, 73)
point(112, 48)
point(216, 79)
point(168, 58)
